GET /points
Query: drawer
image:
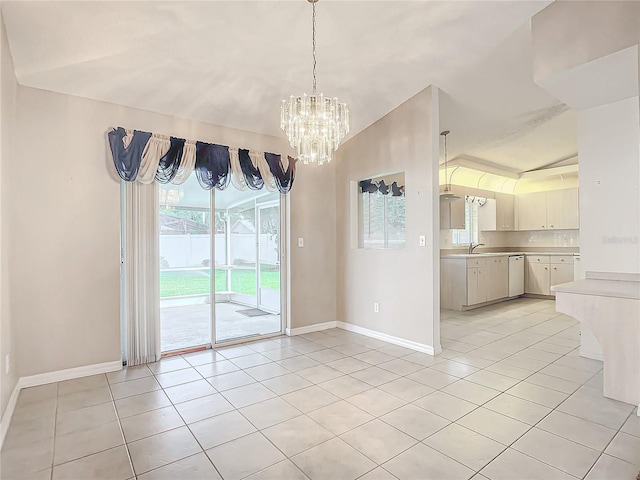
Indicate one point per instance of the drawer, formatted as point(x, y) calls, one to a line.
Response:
point(491, 260)
point(537, 258)
point(562, 259)
point(476, 262)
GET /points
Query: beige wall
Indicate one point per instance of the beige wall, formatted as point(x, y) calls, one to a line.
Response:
point(404, 282)
point(66, 222)
point(313, 272)
point(7, 122)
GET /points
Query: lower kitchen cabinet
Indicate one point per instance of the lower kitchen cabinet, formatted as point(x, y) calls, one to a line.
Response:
point(498, 278)
point(561, 273)
point(476, 293)
point(545, 271)
point(538, 279)
point(466, 282)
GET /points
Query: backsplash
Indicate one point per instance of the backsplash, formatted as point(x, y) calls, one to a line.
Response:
point(525, 239)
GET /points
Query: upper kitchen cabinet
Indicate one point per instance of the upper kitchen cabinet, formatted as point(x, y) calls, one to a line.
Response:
point(452, 215)
point(553, 210)
point(562, 209)
point(497, 214)
point(505, 212)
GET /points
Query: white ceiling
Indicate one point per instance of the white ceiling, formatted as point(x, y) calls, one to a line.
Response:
point(231, 63)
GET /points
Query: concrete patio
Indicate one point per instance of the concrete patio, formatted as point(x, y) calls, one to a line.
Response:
point(189, 326)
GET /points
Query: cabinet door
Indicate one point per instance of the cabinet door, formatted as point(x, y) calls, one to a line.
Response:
point(561, 273)
point(483, 284)
point(538, 278)
point(488, 217)
point(501, 277)
point(532, 211)
point(562, 209)
point(452, 215)
point(505, 213)
point(492, 279)
point(472, 286)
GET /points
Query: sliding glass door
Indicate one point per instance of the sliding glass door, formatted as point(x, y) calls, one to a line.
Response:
point(240, 240)
point(248, 293)
point(185, 265)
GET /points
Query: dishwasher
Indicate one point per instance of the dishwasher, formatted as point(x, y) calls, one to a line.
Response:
point(516, 275)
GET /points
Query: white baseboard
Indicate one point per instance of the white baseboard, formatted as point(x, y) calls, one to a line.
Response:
point(51, 377)
point(8, 413)
point(311, 328)
point(420, 347)
point(69, 373)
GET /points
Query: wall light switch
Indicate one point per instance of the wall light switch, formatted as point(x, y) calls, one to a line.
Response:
point(300, 242)
point(423, 241)
point(376, 307)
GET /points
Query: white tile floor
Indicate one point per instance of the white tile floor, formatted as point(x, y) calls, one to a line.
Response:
point(509, 398)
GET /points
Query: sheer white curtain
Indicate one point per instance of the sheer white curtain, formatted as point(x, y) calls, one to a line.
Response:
point(141, 273)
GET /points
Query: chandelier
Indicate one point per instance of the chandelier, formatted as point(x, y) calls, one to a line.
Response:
point(314, 124)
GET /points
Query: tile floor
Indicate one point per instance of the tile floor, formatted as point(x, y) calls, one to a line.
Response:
point(509, 398)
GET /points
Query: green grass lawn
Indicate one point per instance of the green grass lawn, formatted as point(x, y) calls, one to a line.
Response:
point(193, 282)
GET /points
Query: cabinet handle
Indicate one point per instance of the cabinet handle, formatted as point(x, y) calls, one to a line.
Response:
point(554, 268)
point(546, 268)
point(562, 259)
point(551, 226)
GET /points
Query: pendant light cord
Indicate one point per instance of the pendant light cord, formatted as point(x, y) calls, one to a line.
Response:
point(314, 47)
point(446, 171)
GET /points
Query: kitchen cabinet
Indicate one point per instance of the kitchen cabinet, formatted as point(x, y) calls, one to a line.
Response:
point(469, 281)
point(553, 210)
point(532, 211)
point(505, 212)
point(452, 215)
point(473, 287)
point(561, 270)
point(538, 279)
point(562, 209)
point(544, 271)
point(497, 278)
point(497, 214)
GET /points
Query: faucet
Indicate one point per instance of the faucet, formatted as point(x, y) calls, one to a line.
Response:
point(472, 246)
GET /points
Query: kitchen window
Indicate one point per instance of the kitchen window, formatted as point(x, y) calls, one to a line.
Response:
point(470, 233)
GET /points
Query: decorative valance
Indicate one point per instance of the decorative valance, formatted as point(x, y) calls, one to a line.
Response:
point(147, 157)
point(370, 186)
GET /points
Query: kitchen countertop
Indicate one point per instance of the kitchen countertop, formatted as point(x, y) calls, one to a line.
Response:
point(502, 254)
point(618, 285)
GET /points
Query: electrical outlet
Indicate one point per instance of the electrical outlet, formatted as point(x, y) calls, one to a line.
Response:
point(7, 364)
point(376, 307)
point(300, 242)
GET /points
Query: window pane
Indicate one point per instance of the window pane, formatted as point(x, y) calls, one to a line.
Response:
point(381, 212)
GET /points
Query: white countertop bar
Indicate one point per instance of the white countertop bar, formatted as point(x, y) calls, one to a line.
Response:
point(604, 285)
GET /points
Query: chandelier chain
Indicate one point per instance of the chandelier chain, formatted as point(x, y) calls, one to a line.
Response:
point(314, 48)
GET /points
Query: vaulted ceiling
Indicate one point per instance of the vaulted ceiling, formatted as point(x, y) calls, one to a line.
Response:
point(231, 63)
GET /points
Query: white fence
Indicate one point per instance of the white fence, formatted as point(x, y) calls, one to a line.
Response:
point(180, 251)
